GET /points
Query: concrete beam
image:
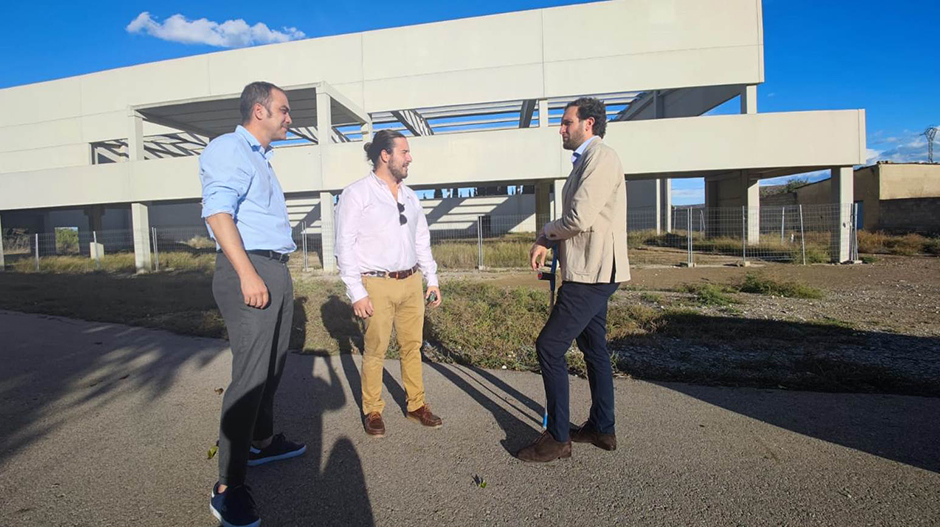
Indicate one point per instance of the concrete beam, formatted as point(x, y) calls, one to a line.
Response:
point(140, 224)
point(327, 233)
point(525, 114)
point(842, 188)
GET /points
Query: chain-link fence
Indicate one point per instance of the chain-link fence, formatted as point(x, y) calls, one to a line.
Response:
point(686, 236)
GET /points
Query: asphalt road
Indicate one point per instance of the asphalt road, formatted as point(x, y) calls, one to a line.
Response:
point(102, 424)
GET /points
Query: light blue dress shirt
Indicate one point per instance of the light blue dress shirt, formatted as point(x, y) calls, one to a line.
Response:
point(237, 179)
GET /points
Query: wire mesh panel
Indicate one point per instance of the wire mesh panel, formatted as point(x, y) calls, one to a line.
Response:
point(506, 240)
point(653, 240)
point(457, 242)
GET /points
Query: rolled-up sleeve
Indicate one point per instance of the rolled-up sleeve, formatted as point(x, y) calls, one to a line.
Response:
point(348, 215)
point(423, 250)
point(224, 178)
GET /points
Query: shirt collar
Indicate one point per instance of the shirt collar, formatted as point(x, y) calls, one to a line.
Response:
point(253, 142)
point(580, 151)
point(378, 181)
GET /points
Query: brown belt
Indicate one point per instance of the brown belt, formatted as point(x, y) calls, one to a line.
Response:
point(397, 275)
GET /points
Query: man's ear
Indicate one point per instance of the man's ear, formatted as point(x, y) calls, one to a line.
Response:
point(590, 122)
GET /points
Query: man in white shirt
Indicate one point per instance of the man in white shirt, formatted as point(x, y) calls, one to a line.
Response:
point(383, 247)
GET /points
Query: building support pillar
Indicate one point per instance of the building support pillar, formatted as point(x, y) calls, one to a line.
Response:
point(749, 99)
point(327, 233)
point(543, 113)
point(750, 196)
point(135, 137)
point(558, 208)
point(842, 183)
point(140, 224)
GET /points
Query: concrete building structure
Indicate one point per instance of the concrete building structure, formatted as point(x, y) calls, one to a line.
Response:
point(480, 96)
point(891, 197)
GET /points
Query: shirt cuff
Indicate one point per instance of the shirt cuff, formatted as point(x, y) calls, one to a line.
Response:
point(432, 280)
point(206, 211)
point(356, 293)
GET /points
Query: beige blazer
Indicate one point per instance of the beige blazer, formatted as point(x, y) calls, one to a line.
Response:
point(592, 233)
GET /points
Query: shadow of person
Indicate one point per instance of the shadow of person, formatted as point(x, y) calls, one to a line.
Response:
point(346, 329)
point(298, 491)
point(518, 433)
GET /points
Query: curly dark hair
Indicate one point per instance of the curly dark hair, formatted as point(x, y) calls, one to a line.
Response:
point(383, 140)
point(591, 107)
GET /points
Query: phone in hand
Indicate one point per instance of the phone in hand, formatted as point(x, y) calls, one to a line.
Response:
point(432, 297)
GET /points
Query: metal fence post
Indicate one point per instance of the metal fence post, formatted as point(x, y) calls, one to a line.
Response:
point(689, 234)
point(802, 238)
point(854, 251)
point(37, 251)
point(744, 232)
point(480, 241)
point(783, 212)
point(97, 256)
point(156, 249)
point(303, 237)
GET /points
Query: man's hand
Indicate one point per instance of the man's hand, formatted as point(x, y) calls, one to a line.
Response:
point(437, 291)
point(255, 291)
point(363, 308)
point(537, 255)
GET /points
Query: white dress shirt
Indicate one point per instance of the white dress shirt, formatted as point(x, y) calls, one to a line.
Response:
point(370, 236)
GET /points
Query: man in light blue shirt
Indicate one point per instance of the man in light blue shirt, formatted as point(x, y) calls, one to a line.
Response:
point(246, 214)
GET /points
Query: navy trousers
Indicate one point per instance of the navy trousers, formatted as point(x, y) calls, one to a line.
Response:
point(580, 313)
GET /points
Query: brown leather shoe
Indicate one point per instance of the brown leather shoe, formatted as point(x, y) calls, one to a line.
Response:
point(374, 425)
point(424, 416)
point(545, 449)
point(586, 433)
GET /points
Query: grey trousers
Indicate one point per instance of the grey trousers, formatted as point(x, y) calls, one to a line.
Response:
point(259, 339)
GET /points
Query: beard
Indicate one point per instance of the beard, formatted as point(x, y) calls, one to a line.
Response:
point(399, 172)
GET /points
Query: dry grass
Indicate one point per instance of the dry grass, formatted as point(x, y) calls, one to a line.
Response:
point(902, 245)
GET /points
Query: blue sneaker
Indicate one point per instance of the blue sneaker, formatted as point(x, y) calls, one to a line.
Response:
point(280, 448)
point(235, 507)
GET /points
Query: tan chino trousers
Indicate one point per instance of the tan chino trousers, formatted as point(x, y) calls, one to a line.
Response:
point(399, 303)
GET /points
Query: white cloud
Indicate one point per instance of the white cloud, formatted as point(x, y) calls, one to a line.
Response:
point(228, 34)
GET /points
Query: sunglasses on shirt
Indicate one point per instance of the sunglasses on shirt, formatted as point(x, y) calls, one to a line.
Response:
point(401, 216)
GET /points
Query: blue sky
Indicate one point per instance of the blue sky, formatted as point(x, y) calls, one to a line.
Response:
point(819, 55)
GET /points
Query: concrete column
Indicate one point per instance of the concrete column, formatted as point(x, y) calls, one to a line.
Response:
point(366, 132)
point(324, 136)
point(140, 224)
point(543, 204)
point(842, 188)
point(665, 198)
point(662, 196)
point(2, 263)
point(94, 215)
point(558, 209)
point(750, 197)
point(749, 99)
point(543, 113)
point(327, 233)
point(712, 224)
point(658, 205)
point(135, 137)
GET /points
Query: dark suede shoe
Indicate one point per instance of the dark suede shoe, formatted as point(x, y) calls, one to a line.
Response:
point(586, 433)
point(545, 449)
point(374, 425)
point(424, 416)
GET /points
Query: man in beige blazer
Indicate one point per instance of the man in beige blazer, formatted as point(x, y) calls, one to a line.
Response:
point(591, 237)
